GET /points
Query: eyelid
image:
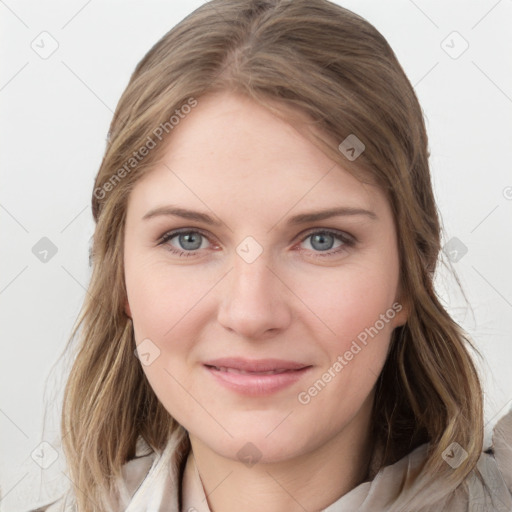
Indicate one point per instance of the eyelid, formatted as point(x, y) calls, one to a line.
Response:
point(171, 233)
point(338, 232)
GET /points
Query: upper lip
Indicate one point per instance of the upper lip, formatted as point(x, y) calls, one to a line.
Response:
point(255, 365)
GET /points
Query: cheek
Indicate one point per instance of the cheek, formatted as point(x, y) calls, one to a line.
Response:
point(348, 300)
point(356, 302)
point(166, 312)
point(162, 307)
point(161, 299)
point(357, 307)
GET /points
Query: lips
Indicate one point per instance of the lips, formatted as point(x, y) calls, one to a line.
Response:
point(244, 372)
point(256, 377)
point(263, 366)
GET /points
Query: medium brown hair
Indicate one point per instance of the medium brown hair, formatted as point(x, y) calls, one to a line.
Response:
point(331, 65)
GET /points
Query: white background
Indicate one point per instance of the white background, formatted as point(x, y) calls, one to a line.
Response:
point(54, 121)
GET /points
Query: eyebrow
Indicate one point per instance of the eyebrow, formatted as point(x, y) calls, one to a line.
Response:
point(174, 211)
point(302, 218)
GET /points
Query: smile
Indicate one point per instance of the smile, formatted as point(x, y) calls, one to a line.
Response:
point(256, 378)
point(244, 372)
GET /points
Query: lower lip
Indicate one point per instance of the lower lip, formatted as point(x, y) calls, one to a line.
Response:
point(257, 384)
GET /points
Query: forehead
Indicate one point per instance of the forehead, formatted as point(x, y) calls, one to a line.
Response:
point(232, 154)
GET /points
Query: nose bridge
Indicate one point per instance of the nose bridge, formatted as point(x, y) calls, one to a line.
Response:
point(254, 300)
point(251, 278)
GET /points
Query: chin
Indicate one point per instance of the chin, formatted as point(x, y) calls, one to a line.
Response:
point(254, 444)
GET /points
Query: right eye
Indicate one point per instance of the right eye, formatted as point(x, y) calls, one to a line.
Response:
point(189, 241)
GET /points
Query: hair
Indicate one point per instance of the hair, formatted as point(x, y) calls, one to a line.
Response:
point(318, 59)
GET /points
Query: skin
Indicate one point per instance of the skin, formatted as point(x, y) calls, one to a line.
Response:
point(233, 159)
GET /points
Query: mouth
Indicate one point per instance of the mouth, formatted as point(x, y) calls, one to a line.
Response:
point(256, 377)
point(245, 372)
point(241, 364)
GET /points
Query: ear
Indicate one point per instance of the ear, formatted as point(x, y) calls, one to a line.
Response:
point(402, 309)
point(127, 309)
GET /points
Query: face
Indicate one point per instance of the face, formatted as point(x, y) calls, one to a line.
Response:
point(256, 321)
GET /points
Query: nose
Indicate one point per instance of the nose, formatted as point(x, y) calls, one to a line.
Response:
point(255, 303)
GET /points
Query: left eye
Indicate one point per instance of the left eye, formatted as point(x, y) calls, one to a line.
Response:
point(323, 240)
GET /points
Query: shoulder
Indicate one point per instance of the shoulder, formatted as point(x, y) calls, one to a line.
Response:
point(61, 504)
point(493, 484)
point(489, 486)
point(502, 448)
point(133, 474)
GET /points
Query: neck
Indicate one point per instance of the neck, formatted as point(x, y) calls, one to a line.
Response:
point(310, 481)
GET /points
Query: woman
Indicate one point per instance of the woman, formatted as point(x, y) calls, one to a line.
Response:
point(261, 329)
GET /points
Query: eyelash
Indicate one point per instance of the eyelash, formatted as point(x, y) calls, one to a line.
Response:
point(348, 241)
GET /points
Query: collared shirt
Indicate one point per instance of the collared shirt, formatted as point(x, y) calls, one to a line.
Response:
point(157, 482)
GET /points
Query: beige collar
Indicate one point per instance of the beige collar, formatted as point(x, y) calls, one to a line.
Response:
point(193, 494)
